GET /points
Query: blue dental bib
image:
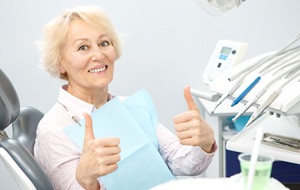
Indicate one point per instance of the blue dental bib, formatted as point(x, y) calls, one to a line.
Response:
point(134, 122)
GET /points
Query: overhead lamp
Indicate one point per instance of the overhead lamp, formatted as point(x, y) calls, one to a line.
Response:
point(219, 7)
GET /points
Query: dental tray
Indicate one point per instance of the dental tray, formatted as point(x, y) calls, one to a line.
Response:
point(280, 141)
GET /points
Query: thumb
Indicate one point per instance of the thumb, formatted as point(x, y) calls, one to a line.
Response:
point(189, 99)
point(89, 133)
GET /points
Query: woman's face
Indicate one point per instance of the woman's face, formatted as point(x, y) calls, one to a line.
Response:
point(87, 57)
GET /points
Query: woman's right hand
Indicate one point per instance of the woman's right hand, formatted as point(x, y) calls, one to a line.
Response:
point(98, 158)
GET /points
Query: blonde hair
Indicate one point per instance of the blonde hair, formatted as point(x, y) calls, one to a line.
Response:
point(55, 32)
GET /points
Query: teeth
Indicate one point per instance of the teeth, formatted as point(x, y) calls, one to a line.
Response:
point(97, 70)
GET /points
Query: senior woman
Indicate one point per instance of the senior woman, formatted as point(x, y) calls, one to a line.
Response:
point(81, 47)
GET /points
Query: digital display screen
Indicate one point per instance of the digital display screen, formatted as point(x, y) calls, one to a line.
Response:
point(226, 50)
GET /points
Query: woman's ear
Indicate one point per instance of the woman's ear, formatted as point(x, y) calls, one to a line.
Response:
point(62, 69)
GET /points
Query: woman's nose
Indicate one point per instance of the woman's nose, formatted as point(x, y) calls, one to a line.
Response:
point(97, 55)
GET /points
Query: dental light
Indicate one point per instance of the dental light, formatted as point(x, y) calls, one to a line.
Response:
point(219, 7)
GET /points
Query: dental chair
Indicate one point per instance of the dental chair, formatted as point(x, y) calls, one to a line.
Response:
point(16, 153)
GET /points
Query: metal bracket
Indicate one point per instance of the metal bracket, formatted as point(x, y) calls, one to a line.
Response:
point(3, 135)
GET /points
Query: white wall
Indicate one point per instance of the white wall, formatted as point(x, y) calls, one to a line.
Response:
point(166, 44)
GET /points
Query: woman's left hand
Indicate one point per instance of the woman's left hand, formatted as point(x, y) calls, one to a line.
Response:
point(191, 128)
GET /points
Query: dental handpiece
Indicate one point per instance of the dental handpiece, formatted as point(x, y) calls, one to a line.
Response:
point(230, 90)
point(263, 106)
point(270, 99)
point(249, 104)
point(264, 89)
point(246, 91)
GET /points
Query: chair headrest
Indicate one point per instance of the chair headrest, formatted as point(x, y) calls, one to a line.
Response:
point(9, 102)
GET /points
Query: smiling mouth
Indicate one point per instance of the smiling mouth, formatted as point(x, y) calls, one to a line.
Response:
point(98, 70)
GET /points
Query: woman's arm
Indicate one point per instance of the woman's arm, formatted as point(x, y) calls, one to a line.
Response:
point(182, 159)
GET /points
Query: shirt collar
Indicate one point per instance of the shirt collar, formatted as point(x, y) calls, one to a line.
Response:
point(76, 105)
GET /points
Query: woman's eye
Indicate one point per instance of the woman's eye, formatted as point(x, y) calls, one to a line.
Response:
point(83, 47)
point(105, 43)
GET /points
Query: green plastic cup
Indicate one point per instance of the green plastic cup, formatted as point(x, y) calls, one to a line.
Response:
point(263, 170)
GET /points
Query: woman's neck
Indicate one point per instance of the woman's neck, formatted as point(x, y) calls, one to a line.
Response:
point(97, 97)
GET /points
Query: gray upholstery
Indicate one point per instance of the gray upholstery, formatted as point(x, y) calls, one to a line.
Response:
point(9, 102)
point(27, 164)
point(24, 127)
point(18, 148)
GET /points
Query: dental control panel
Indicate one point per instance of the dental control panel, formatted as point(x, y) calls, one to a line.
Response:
point(226, 54)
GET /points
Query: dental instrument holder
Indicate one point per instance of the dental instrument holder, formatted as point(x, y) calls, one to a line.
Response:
point(286, 105)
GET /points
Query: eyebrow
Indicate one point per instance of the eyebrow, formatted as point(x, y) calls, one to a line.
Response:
point(86, 39)
point(80, 39)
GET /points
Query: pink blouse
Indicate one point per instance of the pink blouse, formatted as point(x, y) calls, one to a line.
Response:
point(58, 155)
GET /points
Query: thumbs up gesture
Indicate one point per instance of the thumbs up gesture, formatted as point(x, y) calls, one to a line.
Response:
point(191, 128)
point(98, 158)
